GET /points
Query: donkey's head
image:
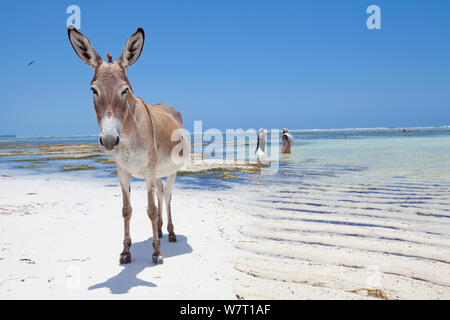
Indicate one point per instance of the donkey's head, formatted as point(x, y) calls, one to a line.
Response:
point(110, 86)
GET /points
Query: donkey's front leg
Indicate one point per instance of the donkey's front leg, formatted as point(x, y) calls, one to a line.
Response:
point(152, 212)
point(124, 178)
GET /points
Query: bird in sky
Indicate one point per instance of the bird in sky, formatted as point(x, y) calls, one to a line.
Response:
point(30, 63)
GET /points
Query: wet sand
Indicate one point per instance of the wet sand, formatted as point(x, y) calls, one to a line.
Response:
point(360, 237)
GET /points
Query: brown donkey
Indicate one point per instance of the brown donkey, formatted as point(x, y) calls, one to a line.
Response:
point(147, 142)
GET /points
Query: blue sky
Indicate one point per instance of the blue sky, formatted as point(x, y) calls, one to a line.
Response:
point(234, 63)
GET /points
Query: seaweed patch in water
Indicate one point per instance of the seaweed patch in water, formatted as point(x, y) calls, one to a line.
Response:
point(71, 157)
point(47, 149)
point(105, 161)
point(74, 168)
point(229, 175)
point(222, 171)
point(30, 167)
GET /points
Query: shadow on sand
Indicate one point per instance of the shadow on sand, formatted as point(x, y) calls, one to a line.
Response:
point(141, 258)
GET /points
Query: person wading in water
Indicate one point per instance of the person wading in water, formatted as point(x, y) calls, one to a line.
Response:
point(287, 139)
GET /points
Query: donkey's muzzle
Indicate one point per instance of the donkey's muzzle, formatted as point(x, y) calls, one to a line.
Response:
point(109, 141)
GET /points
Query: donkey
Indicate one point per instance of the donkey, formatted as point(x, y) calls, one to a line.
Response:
point(147, 141)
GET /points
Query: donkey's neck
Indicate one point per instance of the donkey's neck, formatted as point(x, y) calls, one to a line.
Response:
point(136, 115)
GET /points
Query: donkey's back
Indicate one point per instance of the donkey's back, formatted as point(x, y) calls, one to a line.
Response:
point(172, 111)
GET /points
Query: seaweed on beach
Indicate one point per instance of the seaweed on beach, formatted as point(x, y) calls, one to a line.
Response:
point(376, 293)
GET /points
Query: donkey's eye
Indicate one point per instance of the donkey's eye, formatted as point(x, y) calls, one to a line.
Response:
point(95, 92)
point(124, 92)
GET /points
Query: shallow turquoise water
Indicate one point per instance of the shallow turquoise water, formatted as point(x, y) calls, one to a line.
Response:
point(423, 157)
point(421, 154)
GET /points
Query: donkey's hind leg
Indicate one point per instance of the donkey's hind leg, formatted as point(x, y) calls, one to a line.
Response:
point(167, 200)
point(159, 195)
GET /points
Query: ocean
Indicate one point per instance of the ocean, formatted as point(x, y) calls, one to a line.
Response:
point(419, 154)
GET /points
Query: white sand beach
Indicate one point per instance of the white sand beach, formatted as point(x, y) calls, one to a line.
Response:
point(61, 239)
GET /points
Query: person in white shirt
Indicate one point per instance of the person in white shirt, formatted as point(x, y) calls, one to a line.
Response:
point(261, 147)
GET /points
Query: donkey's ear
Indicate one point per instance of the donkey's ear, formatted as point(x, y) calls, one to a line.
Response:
point(83, 48)
point(133, 49)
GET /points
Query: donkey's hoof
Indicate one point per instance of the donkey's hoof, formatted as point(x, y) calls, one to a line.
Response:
point(125, 258)
point(172, 237)
point(159, 259)
point(159, 234)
